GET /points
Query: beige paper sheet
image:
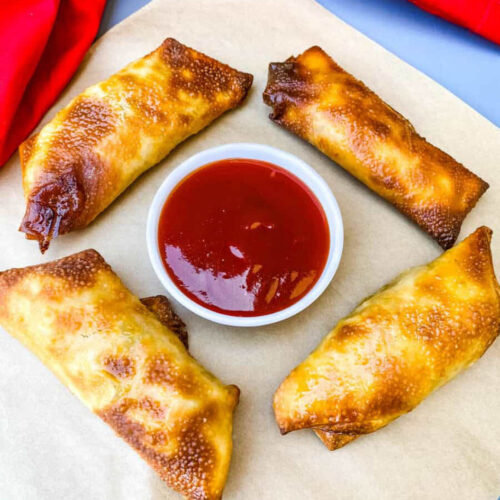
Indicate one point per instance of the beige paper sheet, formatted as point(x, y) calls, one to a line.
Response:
point(52, 447)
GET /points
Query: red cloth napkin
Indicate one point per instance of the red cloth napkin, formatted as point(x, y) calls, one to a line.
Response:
point(480, 16)
point(42, 43)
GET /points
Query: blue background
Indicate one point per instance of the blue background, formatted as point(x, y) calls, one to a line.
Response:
point(461, 61)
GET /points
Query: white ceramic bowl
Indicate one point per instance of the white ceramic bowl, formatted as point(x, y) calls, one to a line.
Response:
point(271, 155)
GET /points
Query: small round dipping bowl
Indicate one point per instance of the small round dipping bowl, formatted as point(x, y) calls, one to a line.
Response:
point(286, 161)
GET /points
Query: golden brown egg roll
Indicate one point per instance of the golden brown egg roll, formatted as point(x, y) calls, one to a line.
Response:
point(127, 365)
point(313, 97)
point(115, 130)
point(396, 347)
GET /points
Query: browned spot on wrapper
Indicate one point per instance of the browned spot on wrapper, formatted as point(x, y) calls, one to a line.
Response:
point(194, 72)
point(164, 371)
point(119, 366)
point(189, 468)
point(78, 270)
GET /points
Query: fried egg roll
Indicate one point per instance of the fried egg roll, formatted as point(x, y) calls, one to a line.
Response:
point(127, 362)
point(313, 97)
point(396, 347)
point(111, 133)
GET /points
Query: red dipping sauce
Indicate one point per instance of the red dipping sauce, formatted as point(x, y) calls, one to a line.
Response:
point(243, 237)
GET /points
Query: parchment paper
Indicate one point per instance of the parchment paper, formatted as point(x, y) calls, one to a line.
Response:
point(52, 447)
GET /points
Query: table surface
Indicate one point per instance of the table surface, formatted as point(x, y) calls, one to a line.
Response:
point(464, 63)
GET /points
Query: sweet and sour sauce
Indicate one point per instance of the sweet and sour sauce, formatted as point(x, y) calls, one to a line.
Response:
point(243, 237)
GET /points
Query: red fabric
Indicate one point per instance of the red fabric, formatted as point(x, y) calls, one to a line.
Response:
point(480, 16)
point(42, 42)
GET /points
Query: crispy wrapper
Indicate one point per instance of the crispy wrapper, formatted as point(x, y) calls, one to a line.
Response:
point(127, 362)
point(160, 306)
point(396, 347)
point(316, 99)
point(115, 130)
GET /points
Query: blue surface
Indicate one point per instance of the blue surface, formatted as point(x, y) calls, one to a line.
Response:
point(461, 61)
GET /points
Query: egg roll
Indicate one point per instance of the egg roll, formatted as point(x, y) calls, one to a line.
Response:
point(107, 136)
point(126, 363)
point(313, 97)
point(396, 347)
